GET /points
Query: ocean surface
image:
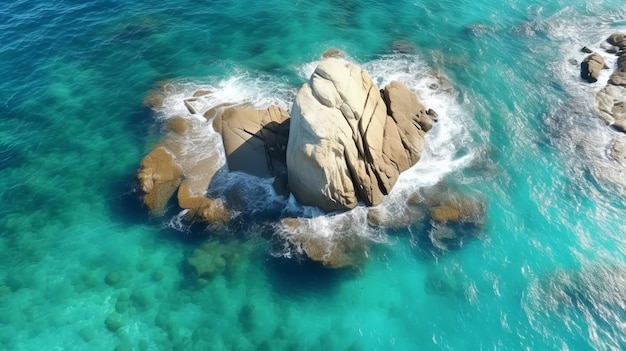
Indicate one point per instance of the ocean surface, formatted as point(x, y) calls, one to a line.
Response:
point(83, 265)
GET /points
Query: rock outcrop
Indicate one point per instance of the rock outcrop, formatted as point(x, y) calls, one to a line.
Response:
point(173, 165)
point(591, 66)
point(343, 146)
point(611, 100)
point(255, 141)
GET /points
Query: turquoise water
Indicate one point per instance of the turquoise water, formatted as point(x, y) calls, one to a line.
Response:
point(546, 271)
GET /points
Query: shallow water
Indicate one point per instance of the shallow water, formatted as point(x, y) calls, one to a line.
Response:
point(517, 128)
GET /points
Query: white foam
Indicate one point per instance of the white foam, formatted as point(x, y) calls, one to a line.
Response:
point(177, 222)
point(257, 90)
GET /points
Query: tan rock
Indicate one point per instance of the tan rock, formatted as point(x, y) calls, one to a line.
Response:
point(617, 39)
point(178, 125)
point(201, 207)
point(618, 78)
point(410, 115)
point(591, 66)
point(460, 210)
point(189, 104)
point(217, 111)
point(176, 164)
point(611, 102)
point(333, 52)
point(156, 97)
point(255, 141)
point(343, 148)
point(159, 177)
point(336, 251)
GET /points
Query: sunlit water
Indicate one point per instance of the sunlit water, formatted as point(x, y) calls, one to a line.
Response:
point(546, 270)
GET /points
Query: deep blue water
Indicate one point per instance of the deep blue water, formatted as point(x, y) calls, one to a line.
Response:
point(547, 270)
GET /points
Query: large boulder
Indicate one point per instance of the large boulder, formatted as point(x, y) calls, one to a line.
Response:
point(591, 66)
point(343, 147)
point(255, 141)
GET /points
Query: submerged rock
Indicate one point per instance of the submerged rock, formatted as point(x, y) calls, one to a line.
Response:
point(113, 278)
point(212, 258)
point(343, 147)
point(255, 141)
point(478, 30)
point(333, 52)
point(599, 289)
point(618, 151)
point(459, 210)
point(114, 322)
point(342, 248)
point(617, 39)
point(156, 98)
point(403, 47)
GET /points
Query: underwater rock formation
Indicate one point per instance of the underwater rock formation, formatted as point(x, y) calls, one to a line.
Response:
point(211, 258)
point(591, 66)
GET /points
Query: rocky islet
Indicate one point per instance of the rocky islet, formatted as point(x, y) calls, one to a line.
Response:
point(344, 143)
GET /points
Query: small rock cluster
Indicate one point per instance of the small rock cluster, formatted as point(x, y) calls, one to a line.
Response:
point(345, 142)
point(611, 100)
